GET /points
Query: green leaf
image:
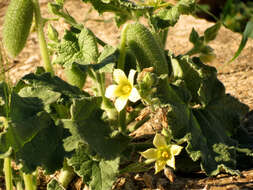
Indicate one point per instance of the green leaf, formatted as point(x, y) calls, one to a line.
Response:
point(69, 50)
point(88, 45)
point(208, 128)
point(44, 150)
point(56, 88)
point(194, 36)
point(26, 119)
point(82, 163)
point(58, 9)
point(211, 33)
point(104, 174)
point(201, 80)
point(248, 33)
point(123, 9)
point(169, 16)
point(99, 174)
point(87, 126)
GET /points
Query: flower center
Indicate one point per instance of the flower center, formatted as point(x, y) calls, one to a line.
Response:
point(165, 155)
point(126, 89)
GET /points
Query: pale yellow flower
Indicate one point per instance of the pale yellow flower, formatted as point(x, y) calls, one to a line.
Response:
point(163, 154)
point(124, 89)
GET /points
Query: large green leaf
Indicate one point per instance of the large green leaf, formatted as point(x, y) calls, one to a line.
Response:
point(104, 174)
point(98, 174)
point(25, 119)
point(44, 150)
point(32, 135)
point(200, 79)
point(87, 127)
point(47, 88)
point(209, 126)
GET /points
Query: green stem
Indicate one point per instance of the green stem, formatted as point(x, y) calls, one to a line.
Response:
point(29, 183)
point(19, 186)
point(122, 121)
point(66, 175)
point(122, 55)
point(164, 37)
point(7, 163)
point(8, 174)
point(42, 42)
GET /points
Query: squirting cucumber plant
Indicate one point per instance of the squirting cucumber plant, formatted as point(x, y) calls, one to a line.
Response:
point(55, 125)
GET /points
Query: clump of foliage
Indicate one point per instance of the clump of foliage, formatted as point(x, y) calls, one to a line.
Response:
point(53, 124)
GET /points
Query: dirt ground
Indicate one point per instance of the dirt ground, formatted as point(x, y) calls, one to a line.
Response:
point(237, 77)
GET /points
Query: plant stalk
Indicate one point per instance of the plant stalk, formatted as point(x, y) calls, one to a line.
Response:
point(29, 183)
point(42, 41)
point(7, 163)
point(8, 174)
point(122, 121)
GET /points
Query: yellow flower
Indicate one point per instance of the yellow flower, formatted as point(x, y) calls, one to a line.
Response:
point(163, 154)
point(124, 89)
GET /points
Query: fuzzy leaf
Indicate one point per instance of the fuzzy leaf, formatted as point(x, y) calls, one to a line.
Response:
point(27, 118)
point(88, 46)
point(45, 150)
point(82, 163)
point(87, 126)
point(69, 50)
point(104, 174)
point(209, 129)
point(99, 174)
point(122, 8)
point(201, 80)
point(169, 16)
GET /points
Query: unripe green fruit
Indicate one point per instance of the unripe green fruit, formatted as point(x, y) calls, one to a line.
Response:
point(146, 49)
point(17, 24)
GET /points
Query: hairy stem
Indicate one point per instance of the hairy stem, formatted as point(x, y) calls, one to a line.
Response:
point(42, 42)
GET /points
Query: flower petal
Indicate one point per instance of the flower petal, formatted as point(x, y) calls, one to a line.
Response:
point(120, 103)
point(159, 141)
point(119, 75)
point(175, 149)
point(148, 161)
point(131, 76)
point(134, 95)
point(171, 162)
point(110, 91)
point(150, 153)
point(159, 165)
